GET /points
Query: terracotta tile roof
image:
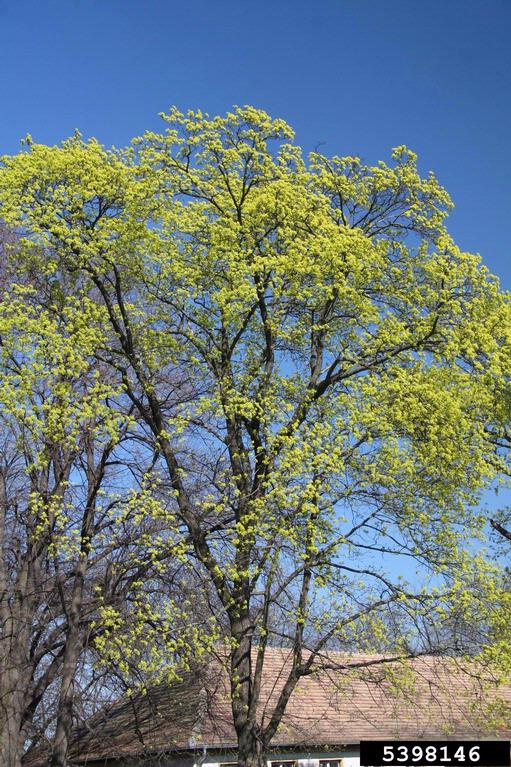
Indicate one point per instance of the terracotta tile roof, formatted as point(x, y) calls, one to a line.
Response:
point(365, 697)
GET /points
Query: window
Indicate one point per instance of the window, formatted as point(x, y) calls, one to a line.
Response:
point(292, 763)
point(228, 764)
point(330, 763)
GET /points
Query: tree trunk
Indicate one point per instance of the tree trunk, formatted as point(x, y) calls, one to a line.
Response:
point(250, 746)
point(15, 666)
point(11, 723)
point(14, 690)
point(250, 749)
point(72, 652)
point(11, 698)
point(66, 702)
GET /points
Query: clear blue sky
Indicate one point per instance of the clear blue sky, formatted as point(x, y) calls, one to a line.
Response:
point(359, 75)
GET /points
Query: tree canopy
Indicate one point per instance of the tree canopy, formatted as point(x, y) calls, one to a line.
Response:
point(305, 353)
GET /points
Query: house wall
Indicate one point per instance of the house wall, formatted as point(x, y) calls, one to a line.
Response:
point(350, 758)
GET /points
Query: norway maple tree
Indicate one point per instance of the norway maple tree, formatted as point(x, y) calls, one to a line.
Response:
point(302, 342)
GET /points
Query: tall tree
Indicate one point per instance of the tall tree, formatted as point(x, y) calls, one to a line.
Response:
point(299, 339)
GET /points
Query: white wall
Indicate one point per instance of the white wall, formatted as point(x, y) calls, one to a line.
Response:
point(303, 761)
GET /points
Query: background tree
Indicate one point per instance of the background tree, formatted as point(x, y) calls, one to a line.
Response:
point(299, 341)
point(82, 536)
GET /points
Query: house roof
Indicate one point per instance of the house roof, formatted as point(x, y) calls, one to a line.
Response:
point(350, 698)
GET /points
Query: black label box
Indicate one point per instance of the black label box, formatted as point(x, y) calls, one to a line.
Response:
point(436, 753)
